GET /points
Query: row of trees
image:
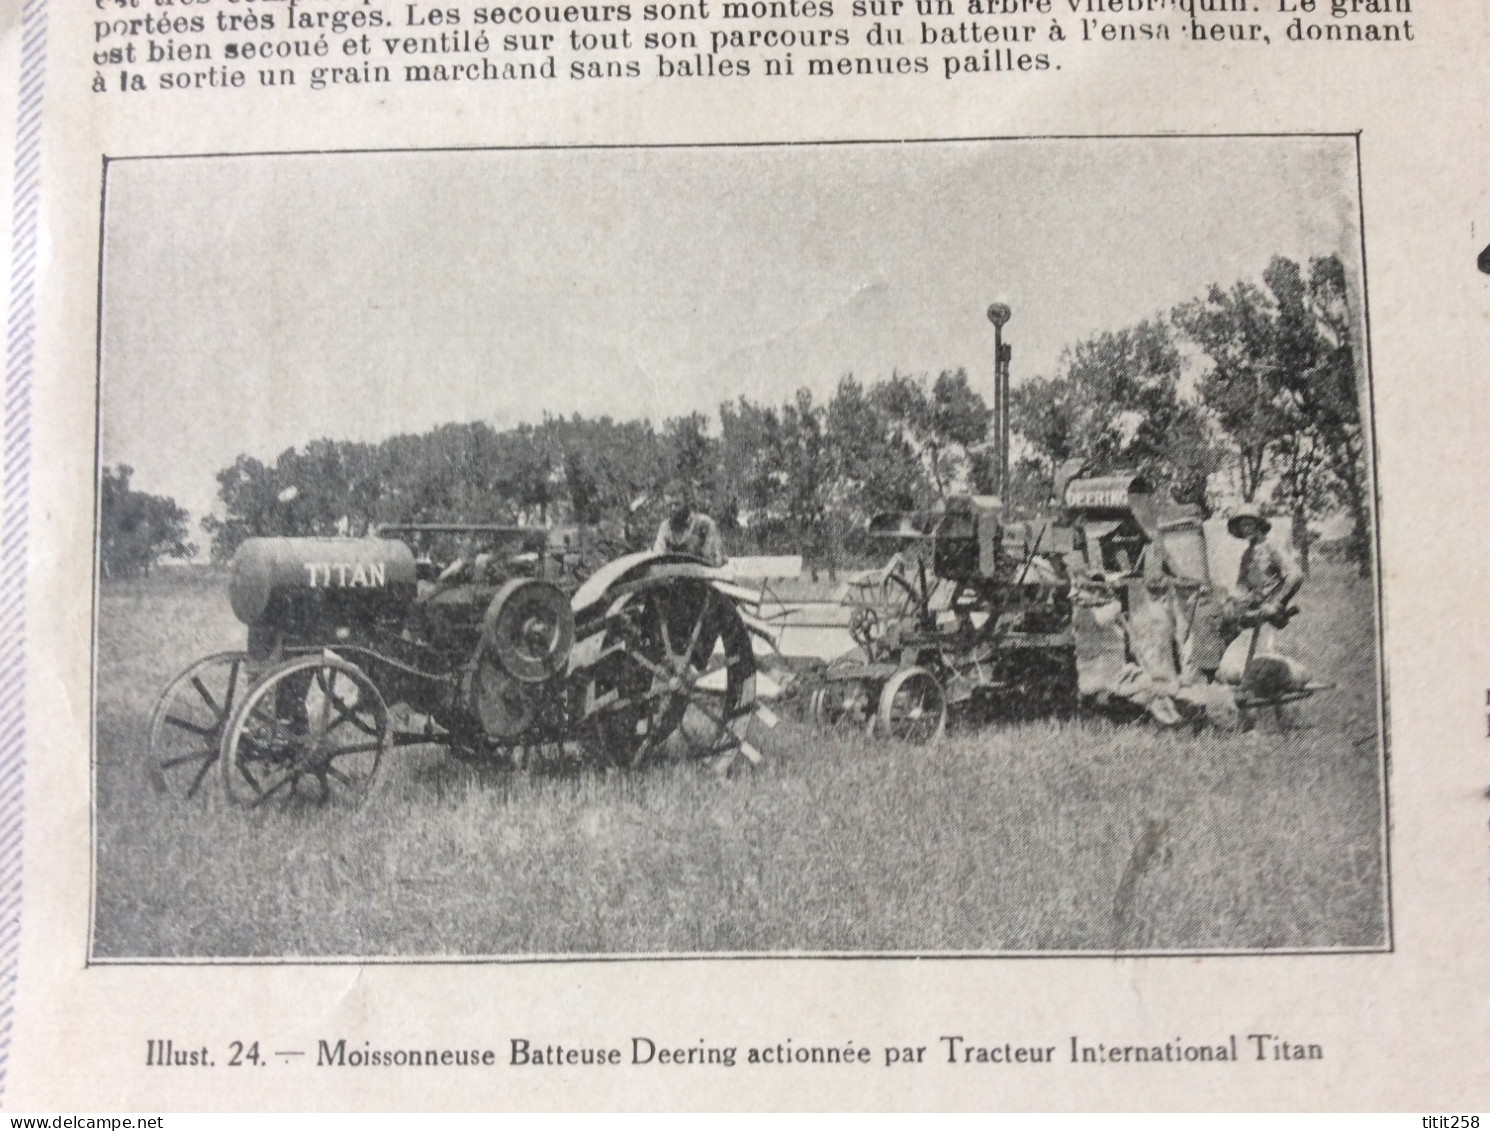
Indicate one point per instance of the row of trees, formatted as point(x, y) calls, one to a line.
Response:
point(775, 477)
point(1249, 392)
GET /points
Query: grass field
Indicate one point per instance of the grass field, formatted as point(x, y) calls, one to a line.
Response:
point(1048, 836)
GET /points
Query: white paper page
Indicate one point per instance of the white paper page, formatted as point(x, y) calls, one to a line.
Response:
point(532, 585)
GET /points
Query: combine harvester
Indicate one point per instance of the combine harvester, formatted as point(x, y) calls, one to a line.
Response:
point(1108, 601)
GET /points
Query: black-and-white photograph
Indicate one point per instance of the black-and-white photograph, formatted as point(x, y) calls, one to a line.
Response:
point(879, 548)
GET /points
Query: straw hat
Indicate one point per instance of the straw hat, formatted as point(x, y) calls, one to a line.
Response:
point(1242, 513)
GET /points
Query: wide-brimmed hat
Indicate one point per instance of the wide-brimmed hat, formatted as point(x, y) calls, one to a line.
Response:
point(1247, 511)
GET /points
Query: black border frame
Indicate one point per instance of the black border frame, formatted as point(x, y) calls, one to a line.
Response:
point(1383, 735)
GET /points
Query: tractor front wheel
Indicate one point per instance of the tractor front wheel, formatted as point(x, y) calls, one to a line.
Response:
point(187, 725)
point(313, 730)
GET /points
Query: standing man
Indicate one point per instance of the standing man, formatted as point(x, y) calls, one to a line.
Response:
point(1265, 574)
point(1266, 583)
point(689, 531)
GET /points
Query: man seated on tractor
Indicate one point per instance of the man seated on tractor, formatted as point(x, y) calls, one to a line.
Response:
point(687, 530)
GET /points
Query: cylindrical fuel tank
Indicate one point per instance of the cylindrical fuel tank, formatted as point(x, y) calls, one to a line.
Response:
point(353, 578)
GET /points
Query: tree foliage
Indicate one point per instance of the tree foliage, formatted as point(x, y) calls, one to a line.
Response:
point(1282, 386)
point(943, 424)
point(1117, 404)
point(135, 529)
point(1256, 378)
point(877, 468)
point(1236, 329)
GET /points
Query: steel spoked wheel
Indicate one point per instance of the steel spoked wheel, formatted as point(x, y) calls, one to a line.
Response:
point(313, 731)
point(843, 704)
point(913, 707)
point(187, 724)
point(684, 677)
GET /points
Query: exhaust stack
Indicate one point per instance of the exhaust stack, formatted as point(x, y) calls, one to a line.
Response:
point(999, 313)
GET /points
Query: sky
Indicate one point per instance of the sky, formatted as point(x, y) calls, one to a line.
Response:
point(254, 303)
